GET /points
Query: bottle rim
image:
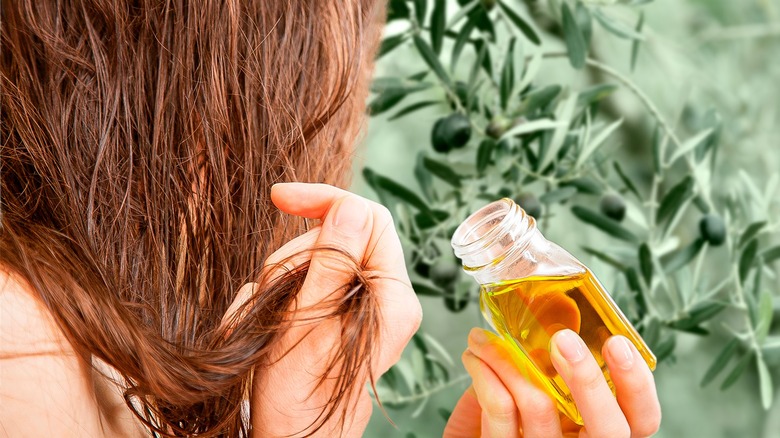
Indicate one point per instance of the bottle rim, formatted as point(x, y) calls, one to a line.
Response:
point(488, 233)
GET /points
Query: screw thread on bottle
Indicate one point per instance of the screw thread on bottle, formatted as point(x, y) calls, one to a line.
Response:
point(492, 235)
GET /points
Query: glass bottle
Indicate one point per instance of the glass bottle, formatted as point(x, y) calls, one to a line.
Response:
point(531, 288)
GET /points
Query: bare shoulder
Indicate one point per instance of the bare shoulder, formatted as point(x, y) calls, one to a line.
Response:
point(45, 388)
point(26, 326)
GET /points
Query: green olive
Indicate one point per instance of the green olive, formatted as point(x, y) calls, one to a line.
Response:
point(613, 206)
point(451, 132)
point(445, 273)
point(497, 127)
point(713, 229)
point(529, 203)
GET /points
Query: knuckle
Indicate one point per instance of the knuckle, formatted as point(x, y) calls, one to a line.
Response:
point(500, 407)
point(589, 380)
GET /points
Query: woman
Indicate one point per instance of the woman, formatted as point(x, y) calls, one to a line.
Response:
point(155, 275)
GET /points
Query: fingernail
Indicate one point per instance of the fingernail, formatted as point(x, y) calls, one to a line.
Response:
point(621, 352)
point(351, 216)
point(478, 336)
point(569, 345)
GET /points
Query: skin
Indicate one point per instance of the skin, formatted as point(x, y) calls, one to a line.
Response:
point(502, 403)
point(499, 403)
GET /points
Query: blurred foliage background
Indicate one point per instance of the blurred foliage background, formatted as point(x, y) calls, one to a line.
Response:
point(669, 109)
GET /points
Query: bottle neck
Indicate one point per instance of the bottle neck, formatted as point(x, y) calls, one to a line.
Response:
point(493, 237)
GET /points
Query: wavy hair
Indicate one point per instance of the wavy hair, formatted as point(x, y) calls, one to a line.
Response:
point(139, 143)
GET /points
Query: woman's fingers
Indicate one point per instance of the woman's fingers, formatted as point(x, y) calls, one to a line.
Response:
point(377, 247)
point(499, 417)
point(634, 386)
point(538, 414)
point(346, 226)
point(465, 420)
point(578, 368)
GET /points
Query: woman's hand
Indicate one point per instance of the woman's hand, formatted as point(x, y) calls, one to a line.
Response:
point(502, 403)
point(287, 400)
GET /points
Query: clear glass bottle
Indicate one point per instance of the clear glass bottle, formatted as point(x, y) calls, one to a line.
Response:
point(531, 288)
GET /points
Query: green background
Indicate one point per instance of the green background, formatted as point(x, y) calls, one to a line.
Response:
point(698, 54)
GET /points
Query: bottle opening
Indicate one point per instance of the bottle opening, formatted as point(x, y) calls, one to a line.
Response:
point(489, 233)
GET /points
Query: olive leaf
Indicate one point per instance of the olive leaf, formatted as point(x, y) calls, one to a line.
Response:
point(737, 371)
point(604, 223)
point(575, 41)
point(635, 44)
point(438, 18)
point(616, 27)
point(521, 24)
point(720, 362)
point(430, 58)
point(443, 171)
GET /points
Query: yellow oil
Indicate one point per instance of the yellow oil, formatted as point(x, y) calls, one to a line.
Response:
point(529, 311)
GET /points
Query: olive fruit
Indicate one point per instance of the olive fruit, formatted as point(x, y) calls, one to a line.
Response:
point(451, 132)
point(613, 206)
point(422, 268)
point(497, 127)
point(444, 274)
point(713, 229)
point(488, 4)
point(530, 204)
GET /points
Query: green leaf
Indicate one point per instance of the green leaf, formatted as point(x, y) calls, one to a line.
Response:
point(379, 182)
point(657, 143)
point(765, 380)
point(520, 23)
point(677, 259)
point(483, 57)
point(771, 254)
point(626, 180)
point(425, 221)
point(765, 314)
point(532, 126)
point(594, 144)
point(616, 27)
point(558, 195)
point(674, 199)
point(651, 332)
point(720, 362)
point(444, 414)
point(595, 93)
point(420, 10)
point(665, 348)
point(646, 263)
point(423, 177)
point(575, 41)
point(385, 101)
point(701, 312)
point(691, 144)
point(604, 258)
point(391, 84)
point(746, 259)
point(604, 223)
point(750, 232)
point(540, 98)
point(430, 58)
point(397, 10)
point(443, 171)
point(507, 82)
point(412, 108)
point(584, 20)
point(428, 291)
point(737, 371)
point(460, 42)
point(484, 154)
point(464, 11)
point(635, 44)
point(438, 18)
point(391, 43)
point(585, 185)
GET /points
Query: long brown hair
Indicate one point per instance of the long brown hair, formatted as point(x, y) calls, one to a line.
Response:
point(140, 140)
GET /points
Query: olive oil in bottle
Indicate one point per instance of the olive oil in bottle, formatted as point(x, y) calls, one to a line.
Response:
point(531, 288)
